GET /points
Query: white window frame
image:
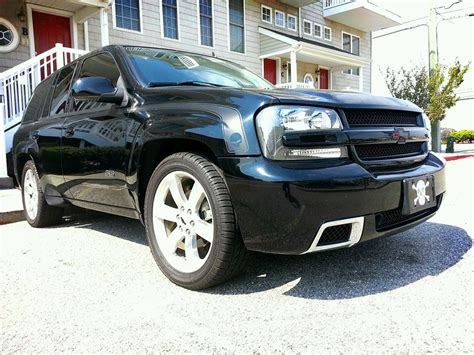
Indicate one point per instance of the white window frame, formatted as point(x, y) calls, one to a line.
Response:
point(310, 28)
point(271, 13)
point(284, 18)
point(199, 26)
point(320, 30)
point(309, 75)
point(163, 23)
point(114, 19)
point(228, 29)
point(342, 41)
point(330, 33)
point(288, 16)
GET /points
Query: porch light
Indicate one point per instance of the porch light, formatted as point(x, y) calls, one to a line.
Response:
point(21, 15)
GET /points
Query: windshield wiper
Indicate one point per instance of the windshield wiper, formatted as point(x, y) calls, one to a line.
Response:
point(181, 83)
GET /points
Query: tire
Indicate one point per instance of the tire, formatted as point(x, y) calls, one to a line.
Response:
point(37, 212)
point(188, 251)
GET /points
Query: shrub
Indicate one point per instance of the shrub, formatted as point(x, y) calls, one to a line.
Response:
point(463, 136)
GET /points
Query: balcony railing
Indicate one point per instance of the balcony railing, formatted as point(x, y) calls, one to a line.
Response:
point(331, 3)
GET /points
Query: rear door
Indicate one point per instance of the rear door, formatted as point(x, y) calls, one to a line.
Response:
point(47, 131)
point(97, 141)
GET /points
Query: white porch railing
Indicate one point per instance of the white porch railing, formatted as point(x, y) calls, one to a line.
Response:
point(331, 3)
point(17, 85)
point(297, 85)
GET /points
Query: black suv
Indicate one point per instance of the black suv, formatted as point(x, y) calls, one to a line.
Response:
point(215, 161)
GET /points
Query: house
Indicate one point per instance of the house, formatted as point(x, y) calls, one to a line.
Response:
point(292, 43)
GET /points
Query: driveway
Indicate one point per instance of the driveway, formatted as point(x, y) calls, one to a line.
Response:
point(91, 285)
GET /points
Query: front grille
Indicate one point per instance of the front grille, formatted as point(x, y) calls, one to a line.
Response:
point(394, 218)
point(380, 118)
point(388, 151)
point(335, 234)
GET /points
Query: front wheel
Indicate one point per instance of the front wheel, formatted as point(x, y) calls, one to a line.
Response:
point(190, 222)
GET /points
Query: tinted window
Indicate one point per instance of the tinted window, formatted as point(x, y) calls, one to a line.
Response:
point(99, 65)
point(38, 100)
point(61, 90)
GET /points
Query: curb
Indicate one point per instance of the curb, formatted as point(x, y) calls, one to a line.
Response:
point(11, 217)
point(456, 157)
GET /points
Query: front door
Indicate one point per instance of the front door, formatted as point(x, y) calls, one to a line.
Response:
point(48, 30)
point(269, 70)
point(96, 143)
point(324, 79)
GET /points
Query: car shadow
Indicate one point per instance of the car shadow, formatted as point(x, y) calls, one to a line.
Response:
point(372, 267)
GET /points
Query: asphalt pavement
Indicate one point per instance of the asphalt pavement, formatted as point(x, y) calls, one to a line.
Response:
point(91, 285)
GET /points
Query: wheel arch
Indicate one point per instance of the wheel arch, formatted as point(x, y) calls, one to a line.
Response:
point(153, 152)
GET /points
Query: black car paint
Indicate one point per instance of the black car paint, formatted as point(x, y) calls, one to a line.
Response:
point(279, 205)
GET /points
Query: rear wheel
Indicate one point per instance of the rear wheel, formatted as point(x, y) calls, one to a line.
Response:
point(190, 222)
point(37, 212)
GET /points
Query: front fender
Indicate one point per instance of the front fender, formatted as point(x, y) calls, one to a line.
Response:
point(219, 127)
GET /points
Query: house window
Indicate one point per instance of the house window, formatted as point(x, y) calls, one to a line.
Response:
point(318, 31)
point(205, 22)
point(307, 27)
point(327, 34)
point(266, 14)
point(236, 26)
point(127, 14)
point(288, 72)
point(291, 22)
point(170, 18)
point(350, 43)
point(279, 18)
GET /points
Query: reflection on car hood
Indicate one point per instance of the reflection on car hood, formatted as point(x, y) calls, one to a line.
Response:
point(343, 99)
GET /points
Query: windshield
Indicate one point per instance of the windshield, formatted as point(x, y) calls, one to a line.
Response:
point(162, 67)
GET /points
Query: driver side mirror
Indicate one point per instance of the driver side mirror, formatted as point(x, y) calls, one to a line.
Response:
point(96, 89)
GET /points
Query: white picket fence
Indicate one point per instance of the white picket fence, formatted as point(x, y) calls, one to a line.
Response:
point(16, 88)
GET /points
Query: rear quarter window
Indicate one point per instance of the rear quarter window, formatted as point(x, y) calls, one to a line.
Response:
point(40, 96)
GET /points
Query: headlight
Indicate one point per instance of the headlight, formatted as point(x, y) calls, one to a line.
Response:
point(427, 124)
point(275, 121)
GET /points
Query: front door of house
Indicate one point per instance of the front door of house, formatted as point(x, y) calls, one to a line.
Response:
point(269, 70)
point(324, 79)
point(48, 30)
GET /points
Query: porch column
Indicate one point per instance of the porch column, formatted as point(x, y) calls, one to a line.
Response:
point(361, 79)
point(104, 27)
point(294, 70)
point(86, 35)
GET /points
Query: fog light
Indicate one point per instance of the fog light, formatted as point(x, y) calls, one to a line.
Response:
point(317, 153)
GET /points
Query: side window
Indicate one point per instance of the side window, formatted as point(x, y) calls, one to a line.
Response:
point(35, 107)
point(50, 90)
point(103, 65)
point(61, 90)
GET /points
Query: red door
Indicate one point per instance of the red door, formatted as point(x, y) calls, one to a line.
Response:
point(323, 79)
point(269, 70)
point(48, 30)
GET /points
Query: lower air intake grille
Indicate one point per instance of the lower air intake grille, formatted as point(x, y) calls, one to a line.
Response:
point(394, 218)
point(335, 234)
point(388, 151)
point(372, 118)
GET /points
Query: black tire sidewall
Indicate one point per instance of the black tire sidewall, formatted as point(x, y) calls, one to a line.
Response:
point(188, 166)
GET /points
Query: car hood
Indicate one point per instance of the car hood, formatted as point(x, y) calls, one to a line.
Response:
point(342, 99)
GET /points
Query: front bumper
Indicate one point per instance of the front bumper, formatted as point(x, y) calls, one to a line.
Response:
point(281, 206)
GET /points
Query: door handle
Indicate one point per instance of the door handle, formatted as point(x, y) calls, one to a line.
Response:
point(69, 132)
point(34, 135)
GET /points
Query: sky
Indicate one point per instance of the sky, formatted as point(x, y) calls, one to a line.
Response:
point(410, 48)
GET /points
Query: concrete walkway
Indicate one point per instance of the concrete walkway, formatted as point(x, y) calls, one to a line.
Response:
point(11, 207)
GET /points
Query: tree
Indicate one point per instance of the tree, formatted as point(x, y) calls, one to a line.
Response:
point(433, 92)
